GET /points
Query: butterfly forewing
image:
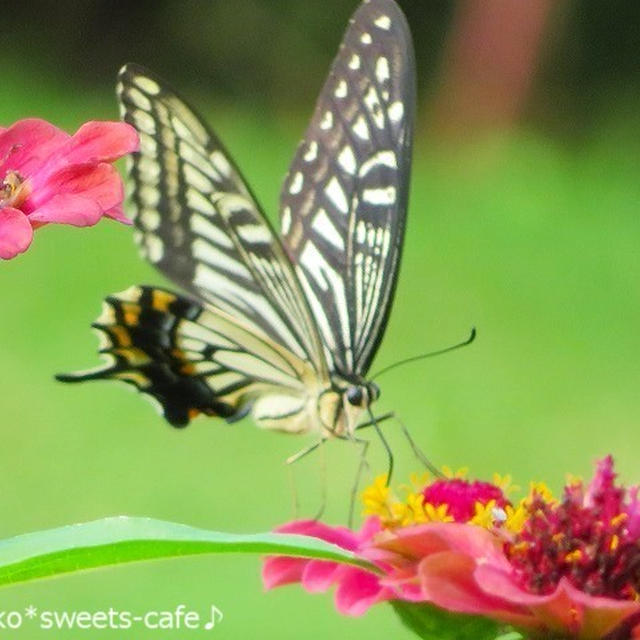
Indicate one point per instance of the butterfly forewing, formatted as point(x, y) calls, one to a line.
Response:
point(198, 222)
point(344, 201)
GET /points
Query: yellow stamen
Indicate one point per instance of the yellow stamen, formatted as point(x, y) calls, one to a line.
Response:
point(619, 519)
point(418, 482)
point(484, 514)
point(520, 547)
point(376, 498)
point(399, 515)
point(541, 490)
point(415, 508)
point(437, 514)
point(573, 481)
point(574, 556)
point(449, 473)
point(516, 517)
point(505, 483)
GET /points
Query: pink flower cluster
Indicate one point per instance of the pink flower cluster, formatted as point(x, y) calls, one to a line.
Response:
point(566, 568)
point(48, 176)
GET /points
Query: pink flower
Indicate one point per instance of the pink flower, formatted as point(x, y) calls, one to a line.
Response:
point(48, 176)
point(567, 569)
point(357, 589)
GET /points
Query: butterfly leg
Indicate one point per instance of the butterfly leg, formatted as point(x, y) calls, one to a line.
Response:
point(303, 452)
point(295, 500)
point(295, 458)
point(323, 502)
point(361, 467)
point(379, 419)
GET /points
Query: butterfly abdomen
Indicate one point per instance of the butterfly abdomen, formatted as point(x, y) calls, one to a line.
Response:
point(140, 337)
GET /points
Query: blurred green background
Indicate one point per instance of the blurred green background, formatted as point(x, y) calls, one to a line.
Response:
point(524, 221)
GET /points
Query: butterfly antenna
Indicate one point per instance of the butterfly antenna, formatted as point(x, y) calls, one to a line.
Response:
point(469, 340)
point(417, 451)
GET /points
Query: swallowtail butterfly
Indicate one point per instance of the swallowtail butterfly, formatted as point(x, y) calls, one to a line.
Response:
point(283, 327)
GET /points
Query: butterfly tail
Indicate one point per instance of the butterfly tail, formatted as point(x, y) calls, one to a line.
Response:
point(139, 331)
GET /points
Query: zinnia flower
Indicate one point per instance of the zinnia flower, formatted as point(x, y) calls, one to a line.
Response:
point(567, 568)
point(48, 176)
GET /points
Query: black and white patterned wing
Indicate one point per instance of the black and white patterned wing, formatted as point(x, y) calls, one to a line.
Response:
point(344, 201)
point(198, 222)
point(194, 359)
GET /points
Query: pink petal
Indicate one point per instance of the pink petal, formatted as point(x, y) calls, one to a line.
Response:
point(447, 579)
point(16, 233)
point(26, 145)
point(603, 478)
point(567, 608)
point(96, 142)
point(281, 570)
point(358, 590)
point(417, 542)
point(117, 213)
point(370, 527)
point(340, 536)
point(100, 183)
point(68, 209)
point(318, 576)
point(633, 512)
point(554, 614)
point(598, 615)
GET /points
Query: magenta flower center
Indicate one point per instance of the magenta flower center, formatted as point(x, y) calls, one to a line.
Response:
point(13, 190)
point(589, 540)
point(462, 496)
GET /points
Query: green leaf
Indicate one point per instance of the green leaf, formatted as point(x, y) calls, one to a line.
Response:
point(119, 540)
point(432, 623)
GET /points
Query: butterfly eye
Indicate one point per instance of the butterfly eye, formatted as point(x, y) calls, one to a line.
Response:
point(354, 396)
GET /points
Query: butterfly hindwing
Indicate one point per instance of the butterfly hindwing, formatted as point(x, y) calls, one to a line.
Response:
point(344, 201)
point(198, 222)
point(191, 359)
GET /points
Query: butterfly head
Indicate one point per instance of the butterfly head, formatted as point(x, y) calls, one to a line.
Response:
point(357, 397)
point(362, 395)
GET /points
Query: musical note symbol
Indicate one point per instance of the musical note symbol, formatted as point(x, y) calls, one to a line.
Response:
point(216, 617)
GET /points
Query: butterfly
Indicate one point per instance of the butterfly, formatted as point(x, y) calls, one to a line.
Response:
point(281, 327)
